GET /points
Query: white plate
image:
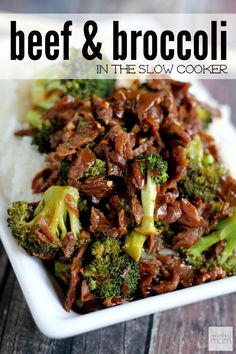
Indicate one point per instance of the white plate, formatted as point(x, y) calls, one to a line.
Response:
point(45, 298)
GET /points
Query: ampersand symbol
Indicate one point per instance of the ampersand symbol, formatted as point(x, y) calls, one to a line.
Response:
point(95, 49)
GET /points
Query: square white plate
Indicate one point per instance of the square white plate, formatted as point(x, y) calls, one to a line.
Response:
point(45, 298)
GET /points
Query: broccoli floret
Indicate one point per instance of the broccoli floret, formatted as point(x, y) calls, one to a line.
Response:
point(224, 230)
point(42, 129)
point(87, 87)
point(41, 230)
point(45, 92)
point(195, 149)
point(201, 181)
point(165, 232)
point(64, 168)
point(155, 170)
point(62, 271)
point(99, 168)
point(205, 117)
point(41, 137)
point(111, 272)
point(84, 87)
point(83, 205)
point(33, 117)
point(203, 173)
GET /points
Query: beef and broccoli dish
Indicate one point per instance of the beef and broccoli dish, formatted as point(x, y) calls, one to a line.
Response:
point(135, 200)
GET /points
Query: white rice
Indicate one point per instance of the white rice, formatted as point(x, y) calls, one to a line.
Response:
point(20, 161)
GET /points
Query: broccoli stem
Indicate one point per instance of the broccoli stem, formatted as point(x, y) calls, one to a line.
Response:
point(229, 248)
point(135, 240)
point(204, 243)
point(224, 230)
point(227, 230)
point(156, 170)
point(148, 197)
point(133, 246)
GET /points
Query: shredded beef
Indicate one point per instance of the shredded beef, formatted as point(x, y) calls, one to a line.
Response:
point(99, 223)
point(109, 302)
point(74, 279)
point(44, 179)
point(225, 211)
point(188, 237)
point(98, 187)
point(86, 295)
point(123, 145)
point(123, 222)
point(227, 190)
point(165, 286)
point(137, 209)
point(115, 163)
point(190, 216)
point(68, 244)
point(211, 275)
point(173, 212)
point(138, 178)
point(85, 158)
